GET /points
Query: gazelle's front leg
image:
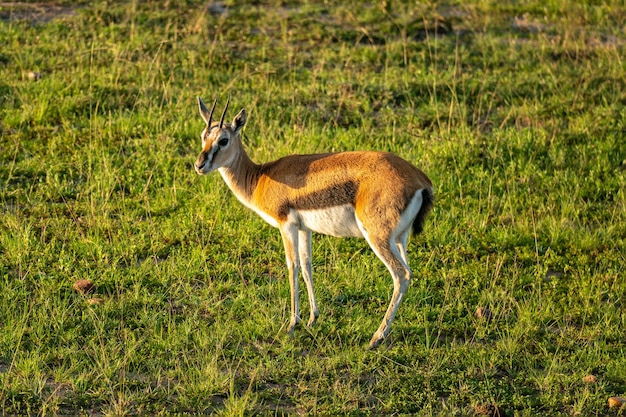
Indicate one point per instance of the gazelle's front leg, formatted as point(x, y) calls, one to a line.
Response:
point(289, 234)
point(304, 250)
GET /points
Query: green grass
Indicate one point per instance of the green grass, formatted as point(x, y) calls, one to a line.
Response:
point(516, 111)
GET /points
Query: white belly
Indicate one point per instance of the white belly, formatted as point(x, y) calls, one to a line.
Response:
point(337, 221)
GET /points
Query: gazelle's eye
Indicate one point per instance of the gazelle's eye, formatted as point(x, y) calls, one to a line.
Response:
point(223, 142)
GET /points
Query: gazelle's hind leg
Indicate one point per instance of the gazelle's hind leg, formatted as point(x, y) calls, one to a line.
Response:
point(391, 249)
point(401, 243)
point(389, 244)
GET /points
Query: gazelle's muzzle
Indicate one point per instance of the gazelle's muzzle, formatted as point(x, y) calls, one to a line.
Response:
point(201, 163)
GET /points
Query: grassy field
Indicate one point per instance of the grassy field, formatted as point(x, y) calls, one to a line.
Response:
point(516, 111)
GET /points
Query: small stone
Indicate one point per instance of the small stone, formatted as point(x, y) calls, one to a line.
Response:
point(95, 301)
point(83, 286)
point(551, 274)
point(34, 75)
point(590, 379)
point(616, 402)
point(483, 313)
point(217, 8)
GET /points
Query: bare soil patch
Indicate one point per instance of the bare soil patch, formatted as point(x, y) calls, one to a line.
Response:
point(34, 12)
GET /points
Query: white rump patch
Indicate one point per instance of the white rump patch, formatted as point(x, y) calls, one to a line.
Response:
point(410, 212)
point(339, 221)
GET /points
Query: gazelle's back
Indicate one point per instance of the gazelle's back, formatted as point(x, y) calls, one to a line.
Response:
point(322, 182)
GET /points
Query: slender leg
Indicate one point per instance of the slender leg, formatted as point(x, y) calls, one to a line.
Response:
point(304, 250)
point(290, 240)
point(401, 242)
point(388, 252)
point(400, 285)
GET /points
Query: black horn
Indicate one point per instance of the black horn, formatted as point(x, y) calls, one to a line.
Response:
point(224, 114)
point(211, 114)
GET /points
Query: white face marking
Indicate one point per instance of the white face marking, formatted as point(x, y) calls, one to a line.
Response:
point(337, 221)
point(224, 140)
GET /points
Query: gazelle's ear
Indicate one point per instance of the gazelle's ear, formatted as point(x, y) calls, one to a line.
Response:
point(239, 121)
point(204, 112)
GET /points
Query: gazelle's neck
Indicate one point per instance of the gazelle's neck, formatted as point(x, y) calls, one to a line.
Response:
point(241, 176)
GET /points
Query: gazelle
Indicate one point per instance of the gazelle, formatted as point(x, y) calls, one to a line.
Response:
point(373, 195)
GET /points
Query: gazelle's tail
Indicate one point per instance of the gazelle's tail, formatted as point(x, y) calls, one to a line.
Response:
point(428, 200)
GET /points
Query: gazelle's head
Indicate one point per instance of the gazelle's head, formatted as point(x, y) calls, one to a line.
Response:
point(221, 142)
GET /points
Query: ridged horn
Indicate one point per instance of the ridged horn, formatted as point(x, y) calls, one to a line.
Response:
point(224, 114)
point(211, 114)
